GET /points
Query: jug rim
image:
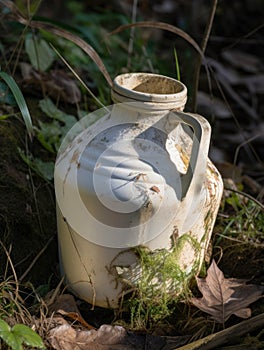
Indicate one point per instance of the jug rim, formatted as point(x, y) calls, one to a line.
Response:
point(149, 87)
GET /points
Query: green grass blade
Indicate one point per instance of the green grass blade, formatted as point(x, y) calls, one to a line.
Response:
point(5, 116)
point(56, 30)
point(78, 77)
point(20, 101)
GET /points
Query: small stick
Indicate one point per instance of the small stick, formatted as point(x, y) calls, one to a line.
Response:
point(203, 48)
point(11, 265)
point(244, 194)
point(214, 340)
point(132, 34)
point(35, 259)
point(55, 293)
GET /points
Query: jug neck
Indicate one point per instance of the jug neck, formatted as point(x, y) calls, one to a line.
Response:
point(149, 91)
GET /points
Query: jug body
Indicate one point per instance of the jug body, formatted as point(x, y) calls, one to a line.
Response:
point(139, 177)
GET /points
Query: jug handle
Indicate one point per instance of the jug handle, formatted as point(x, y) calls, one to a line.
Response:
point(193, 179)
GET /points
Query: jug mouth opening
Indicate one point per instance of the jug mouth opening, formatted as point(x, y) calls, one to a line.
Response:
point(149, 87)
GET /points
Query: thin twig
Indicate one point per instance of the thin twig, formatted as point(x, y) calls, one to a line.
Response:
point(258, 245)
point(12, 267)
point(79, 78)
point(171, 28)
point(71, 233)
point(244, 143)
point(246, 195)
point(35, 259)
point(54, 29)
point(145, 53)
point(132, 34)
point(55, 293)
point(221, 82)
point(253, 31)
point(199, 59)
point(212, 341)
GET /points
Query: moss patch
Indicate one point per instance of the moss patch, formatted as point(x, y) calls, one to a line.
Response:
point(159, 282)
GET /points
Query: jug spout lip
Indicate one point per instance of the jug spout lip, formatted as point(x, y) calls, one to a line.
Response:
point(149, 87)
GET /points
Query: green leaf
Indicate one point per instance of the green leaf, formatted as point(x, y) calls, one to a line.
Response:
point(8, 337)
point(69, 36)
point(40, 54)
point(29, 7)
point(43, 169)
point(51, 134)
point(19, 100)
point(46, 169)
point(19, 334)
point(4, 328)
point(49, 108)
point(14, 342)
point(27, 336)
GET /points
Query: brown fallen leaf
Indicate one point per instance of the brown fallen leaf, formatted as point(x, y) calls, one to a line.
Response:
point(65, 337)
point(65, 305)
point(55, 83)
point(223, 297)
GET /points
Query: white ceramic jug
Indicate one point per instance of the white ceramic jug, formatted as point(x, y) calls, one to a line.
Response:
point(139, 177)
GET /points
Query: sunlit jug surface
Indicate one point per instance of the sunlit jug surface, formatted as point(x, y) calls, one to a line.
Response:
point(139, 177)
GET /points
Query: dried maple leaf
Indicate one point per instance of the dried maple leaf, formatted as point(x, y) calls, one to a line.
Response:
point(223, 297)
